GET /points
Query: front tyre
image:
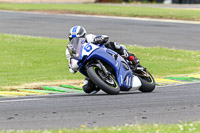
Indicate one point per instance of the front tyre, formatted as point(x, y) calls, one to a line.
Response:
point(107, 84)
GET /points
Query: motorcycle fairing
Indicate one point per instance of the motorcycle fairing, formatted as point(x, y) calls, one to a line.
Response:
point(123, 75)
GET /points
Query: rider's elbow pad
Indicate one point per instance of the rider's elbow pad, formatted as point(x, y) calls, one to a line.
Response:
point(72, 71)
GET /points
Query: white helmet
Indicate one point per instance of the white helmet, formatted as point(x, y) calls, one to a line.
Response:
point(77, 31)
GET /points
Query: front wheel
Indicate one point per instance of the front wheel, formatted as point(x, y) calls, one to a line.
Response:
point(107, 84)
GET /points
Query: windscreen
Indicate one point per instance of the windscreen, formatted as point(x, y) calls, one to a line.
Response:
point(74, 47)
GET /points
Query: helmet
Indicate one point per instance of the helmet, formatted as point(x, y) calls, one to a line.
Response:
point(77, 31)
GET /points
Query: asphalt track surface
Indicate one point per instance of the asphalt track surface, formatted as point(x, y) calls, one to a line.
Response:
point(126, 31)
point(170, 104)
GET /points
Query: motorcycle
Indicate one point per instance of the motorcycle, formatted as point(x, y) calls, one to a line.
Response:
point(108, 70)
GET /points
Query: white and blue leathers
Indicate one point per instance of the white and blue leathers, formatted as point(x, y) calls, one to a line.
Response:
point(90, 38)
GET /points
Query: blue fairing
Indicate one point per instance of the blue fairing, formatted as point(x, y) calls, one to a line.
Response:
point(120, 68)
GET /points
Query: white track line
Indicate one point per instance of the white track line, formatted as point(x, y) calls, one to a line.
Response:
point(138, 19)
point(113, 17)
point(178, 84)
point(20, 100)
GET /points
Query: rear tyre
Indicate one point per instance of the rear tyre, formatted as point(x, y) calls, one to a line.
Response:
point(148, 83)
point(107, 84)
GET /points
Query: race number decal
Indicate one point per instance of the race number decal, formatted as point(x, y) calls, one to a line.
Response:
point(88, 47)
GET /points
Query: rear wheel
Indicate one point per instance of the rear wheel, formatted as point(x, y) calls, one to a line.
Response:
point(107, 83)
point(148, 82)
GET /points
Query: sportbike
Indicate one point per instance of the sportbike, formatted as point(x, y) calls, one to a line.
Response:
point(108, 70)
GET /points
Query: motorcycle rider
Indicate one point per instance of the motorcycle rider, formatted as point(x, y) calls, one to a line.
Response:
point(79, 31)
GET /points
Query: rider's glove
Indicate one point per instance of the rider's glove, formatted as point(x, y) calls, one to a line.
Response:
point(100, 39)
point(73, 66)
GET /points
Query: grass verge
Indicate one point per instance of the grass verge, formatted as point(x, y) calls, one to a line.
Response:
point(148, 128)
point(116, 10)
point(26, 59)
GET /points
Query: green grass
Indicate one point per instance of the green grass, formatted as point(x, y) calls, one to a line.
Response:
point(165, 62)
point(130, 11)
point(148, 128)
point(25, 59)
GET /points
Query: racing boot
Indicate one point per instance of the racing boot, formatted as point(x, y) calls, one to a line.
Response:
point(89, 87)
point(121, 49)
point(130, 57)
point(133, 59)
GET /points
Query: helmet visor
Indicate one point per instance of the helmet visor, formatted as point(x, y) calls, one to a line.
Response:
point(81, 32)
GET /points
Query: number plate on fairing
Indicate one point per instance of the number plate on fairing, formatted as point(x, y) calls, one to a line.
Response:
point(88, 48)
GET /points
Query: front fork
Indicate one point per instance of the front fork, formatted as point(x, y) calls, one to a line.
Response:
point(100, 65)
point(107, 73)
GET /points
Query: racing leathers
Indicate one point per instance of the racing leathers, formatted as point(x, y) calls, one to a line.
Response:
point(88, 85)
